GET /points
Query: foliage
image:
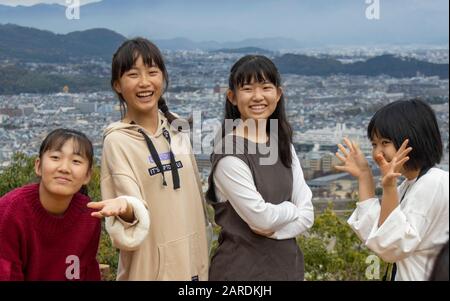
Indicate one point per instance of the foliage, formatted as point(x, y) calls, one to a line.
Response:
point(332, 250)
point(18, 173)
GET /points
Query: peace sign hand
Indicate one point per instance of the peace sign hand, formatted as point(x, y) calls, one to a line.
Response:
point(390, 171)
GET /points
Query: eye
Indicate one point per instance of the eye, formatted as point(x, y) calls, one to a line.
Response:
point(132, 74)
point(77, 162)
point(374, 145)
point(54, 157)
point(385, 142)
point(268, 87)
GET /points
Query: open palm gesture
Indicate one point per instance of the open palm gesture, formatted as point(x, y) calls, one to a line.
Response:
point(354, 161)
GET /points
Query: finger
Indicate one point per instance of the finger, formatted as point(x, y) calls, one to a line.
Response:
point(380, 159)
point(97, 215)
point(95, 205)
point(343, 150)
point(405, 152)
point(340, 167)
point(403, 146)
point(338, 155)
point(349, 144)
point(392, 175)
point(401, 162)
point(356, 146)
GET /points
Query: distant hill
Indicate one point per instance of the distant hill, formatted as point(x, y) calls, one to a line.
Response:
point(245, 50)
point(384, 64)
point(15, 80)
point(29, 44)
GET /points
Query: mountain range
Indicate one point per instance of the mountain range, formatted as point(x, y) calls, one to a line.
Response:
point(22, 44)
point(302, 23)
point(33, 45)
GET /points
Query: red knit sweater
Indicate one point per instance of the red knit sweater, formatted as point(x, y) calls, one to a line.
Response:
point(35, 245)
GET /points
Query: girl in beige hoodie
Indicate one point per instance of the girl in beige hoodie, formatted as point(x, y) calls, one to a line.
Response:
point(160, 227)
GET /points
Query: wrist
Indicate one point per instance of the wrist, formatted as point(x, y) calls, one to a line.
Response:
point(365, 174)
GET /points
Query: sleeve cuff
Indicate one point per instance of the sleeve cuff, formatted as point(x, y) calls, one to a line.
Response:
point(128, 236)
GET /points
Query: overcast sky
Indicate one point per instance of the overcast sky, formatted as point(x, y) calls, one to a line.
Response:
point(312, 22)
point(32, 2)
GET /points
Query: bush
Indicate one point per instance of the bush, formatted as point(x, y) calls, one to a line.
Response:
point(332, 250)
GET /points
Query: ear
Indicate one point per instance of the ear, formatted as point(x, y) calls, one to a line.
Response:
point(88, 177)
point(117, 87)
point(37, 167)
point(231, 97)
point(279, 93)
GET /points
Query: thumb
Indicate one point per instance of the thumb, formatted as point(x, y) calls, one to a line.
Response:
point(96, 205)
point(380, 159)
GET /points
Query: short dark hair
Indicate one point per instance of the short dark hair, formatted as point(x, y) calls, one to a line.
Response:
point(411, 119)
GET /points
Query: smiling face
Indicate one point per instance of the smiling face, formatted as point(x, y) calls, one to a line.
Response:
point(383, 146)
point(62, 171)
point(255, 100)
point(141, 87)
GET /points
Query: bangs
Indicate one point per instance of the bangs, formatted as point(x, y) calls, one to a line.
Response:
point(255, 70)
point(56, 140)
point(127, 56)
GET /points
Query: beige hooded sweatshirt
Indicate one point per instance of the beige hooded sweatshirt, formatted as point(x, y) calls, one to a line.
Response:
point(167, 240)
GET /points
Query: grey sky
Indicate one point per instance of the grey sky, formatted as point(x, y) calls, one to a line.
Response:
point(32, 2)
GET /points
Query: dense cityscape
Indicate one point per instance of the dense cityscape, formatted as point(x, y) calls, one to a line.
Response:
point(322, 109)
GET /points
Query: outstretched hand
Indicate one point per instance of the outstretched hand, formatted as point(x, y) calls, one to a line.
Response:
point(354, 161)
point(390, 171)
point(111, 207)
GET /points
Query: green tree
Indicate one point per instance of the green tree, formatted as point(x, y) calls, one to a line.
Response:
point(18, 173)
point(332, 250)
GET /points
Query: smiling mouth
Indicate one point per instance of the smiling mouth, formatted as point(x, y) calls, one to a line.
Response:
point(145, 94)
point(62, 180)
point(258, 108)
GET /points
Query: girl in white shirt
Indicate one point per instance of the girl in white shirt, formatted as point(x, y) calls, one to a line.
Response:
point(261, 202)
point(409, 225)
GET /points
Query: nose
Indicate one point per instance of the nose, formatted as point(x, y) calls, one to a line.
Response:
point(144, 80)
point(64, 166)
point(258, 94)
point(376, 151)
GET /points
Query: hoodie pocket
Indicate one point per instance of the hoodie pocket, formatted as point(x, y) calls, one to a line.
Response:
point(179, 259)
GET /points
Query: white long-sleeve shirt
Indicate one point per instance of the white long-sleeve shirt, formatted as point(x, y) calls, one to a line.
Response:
point(234, 183)
point(414, 232)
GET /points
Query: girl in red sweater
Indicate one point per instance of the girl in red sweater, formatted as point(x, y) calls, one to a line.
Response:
point(46, 230)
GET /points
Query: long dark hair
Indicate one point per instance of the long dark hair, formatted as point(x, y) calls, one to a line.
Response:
point(56, 139)
point(125, 58)
point(259, 68)
point(411, 119)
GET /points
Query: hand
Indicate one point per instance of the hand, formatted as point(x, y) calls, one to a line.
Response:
point(354, 161)
point(390, 171)
point(262, 233)
point(111, 207)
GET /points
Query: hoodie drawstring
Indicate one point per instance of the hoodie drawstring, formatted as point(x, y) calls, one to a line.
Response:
point(157, 160)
